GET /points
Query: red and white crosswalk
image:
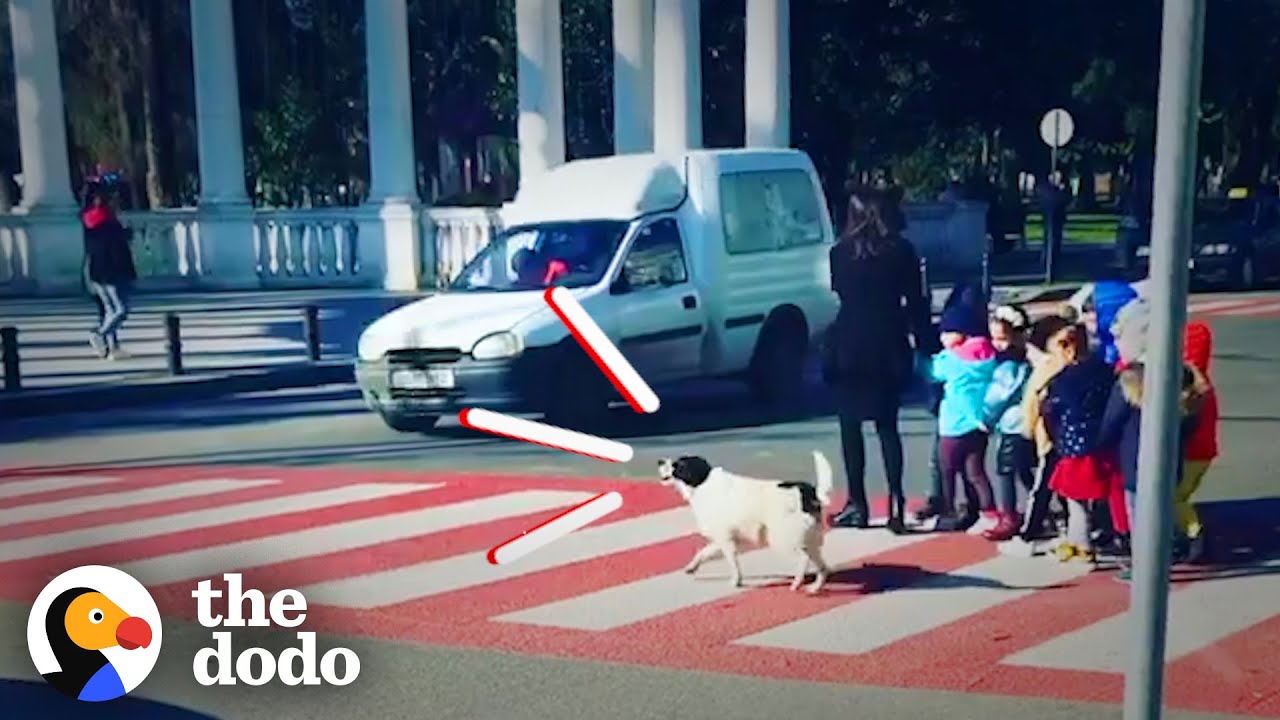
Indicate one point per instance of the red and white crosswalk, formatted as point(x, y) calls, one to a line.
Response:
point(402, 556)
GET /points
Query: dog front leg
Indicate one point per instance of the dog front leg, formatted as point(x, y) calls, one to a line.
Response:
point(708, 552)
point(801, 569)
point(735, 570)
point(814, 555)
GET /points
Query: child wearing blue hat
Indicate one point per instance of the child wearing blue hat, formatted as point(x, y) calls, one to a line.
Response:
point(1109, 298)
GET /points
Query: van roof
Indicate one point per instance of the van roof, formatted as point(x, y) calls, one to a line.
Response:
point(623, 187)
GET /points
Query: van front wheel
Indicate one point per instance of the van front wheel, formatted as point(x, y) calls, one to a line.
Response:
point(777, 370)
point(579, 397)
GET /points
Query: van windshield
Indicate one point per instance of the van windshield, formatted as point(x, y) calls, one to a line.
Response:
point(535, 257)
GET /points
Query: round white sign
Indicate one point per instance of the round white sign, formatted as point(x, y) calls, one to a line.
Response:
point(1057, 127)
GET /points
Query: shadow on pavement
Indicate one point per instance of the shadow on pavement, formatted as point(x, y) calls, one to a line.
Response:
point(36, 699)
point(229, 412)
point(873, 578)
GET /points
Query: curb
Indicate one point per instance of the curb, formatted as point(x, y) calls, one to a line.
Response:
point(36, 403)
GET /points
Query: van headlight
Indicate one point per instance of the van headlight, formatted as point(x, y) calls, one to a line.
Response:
point(497, 346)
point(371, 346)
point(1216, 249)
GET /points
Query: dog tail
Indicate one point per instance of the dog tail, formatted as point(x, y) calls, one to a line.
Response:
point(826, 478)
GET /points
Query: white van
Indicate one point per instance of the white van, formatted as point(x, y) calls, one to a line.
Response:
point(707, 264)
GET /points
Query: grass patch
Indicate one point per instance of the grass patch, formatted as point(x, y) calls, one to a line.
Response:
point(1096, 229)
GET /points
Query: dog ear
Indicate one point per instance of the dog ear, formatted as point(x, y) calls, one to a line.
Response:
point(692, 470)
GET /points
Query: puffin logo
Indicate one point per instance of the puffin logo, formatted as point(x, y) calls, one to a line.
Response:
point(94, 633)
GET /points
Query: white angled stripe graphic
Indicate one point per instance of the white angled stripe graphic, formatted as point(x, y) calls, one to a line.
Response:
point(19, 488)
point(1199, 616)
point(285, 547)
point(198, 519)
point(391, 587)
point(670, 592)
point(124, 499)
point(883, 619)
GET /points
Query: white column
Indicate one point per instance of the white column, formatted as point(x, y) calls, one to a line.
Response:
point(768, 73)
point(217, 90)
point(392, 161)
point(42, 129)
point(632, 76)
point(390, 233)
point(677, 75)
point(53, 230)
point(540, 86)
point(226, 216)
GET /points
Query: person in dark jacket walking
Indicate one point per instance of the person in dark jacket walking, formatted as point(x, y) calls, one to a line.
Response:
point(110, 268)
point(870, 358)
point(87, 193)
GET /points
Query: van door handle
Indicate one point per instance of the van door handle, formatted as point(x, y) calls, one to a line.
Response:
point(690, 302)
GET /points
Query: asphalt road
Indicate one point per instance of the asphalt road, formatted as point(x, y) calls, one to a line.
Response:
point(327, 430)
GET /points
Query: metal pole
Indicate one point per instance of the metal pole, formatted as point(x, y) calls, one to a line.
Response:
point(173, 343)
point(986, 269)
point(1050, 252)
point(9, 351)
point(1182, 47)
point(311, 331)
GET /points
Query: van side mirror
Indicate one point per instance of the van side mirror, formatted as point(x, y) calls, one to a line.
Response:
point(622, 285)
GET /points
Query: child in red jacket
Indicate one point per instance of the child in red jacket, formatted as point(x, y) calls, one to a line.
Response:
point(1202, 445)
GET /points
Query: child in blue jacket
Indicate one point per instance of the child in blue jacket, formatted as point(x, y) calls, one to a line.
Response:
point(1015, 453)
point(971, 295)
point(965, 368)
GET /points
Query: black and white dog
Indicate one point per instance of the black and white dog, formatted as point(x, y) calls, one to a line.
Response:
point(734, 510)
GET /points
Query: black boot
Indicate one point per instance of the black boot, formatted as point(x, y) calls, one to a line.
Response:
point(897, 523)
point(852, 516)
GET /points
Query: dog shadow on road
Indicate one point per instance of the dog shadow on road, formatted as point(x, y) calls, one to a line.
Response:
point(877, 578)
point(869, 579)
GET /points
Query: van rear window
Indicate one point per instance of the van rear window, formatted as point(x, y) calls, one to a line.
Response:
point(768, 210)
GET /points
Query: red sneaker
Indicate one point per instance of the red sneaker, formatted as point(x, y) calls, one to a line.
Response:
point(1005, 529)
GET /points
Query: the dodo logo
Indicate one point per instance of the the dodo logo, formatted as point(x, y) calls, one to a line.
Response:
point(94, 633)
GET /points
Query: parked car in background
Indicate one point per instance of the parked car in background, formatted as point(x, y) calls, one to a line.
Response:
point(1235, 241)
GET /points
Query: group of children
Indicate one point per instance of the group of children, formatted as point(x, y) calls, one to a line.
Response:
point(1065, 413)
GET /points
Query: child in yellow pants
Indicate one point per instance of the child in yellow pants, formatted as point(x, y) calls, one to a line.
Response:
point(1202, 446)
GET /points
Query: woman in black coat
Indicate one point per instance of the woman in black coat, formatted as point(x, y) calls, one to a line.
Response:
point(870, 357)
point(110, 268)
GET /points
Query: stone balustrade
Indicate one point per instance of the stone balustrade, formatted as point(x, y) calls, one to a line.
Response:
point(321, 247)
point(292, 249)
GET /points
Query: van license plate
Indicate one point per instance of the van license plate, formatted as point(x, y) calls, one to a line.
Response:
point(429, 379)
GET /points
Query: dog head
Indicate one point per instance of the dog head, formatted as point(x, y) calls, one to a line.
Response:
point(690, 470)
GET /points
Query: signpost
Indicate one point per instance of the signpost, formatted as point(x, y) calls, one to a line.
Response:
point(1056, 129)
point(1181, 50)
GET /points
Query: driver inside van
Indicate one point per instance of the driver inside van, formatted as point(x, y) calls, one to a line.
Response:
point(557, 257)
